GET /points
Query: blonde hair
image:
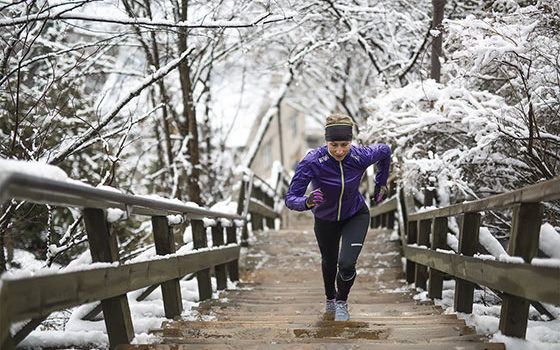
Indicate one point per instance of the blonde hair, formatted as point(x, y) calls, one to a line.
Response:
point(338, 118)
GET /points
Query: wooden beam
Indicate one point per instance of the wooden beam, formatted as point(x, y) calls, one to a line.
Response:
point(165, 244)
point(523, 242)
point(104, 248)
point(219, 270)
point(439, 241)
point(233, 266)
point(421, 271)
point(538, 283)
point(385, 207)
point(256, 206)
point(39, 296)
point(468, 241)
point(42, 190)
point(200, 241)
point(411, 239)
point(541, 192)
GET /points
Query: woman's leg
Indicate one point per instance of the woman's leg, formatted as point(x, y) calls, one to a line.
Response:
point(353, 235)
point(328, 238)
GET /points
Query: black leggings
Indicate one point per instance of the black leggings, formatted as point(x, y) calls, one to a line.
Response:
point(353, 232)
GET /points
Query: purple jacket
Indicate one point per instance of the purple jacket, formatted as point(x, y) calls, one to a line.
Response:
point(339, 181)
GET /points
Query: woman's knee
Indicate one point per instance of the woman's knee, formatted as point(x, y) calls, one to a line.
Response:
point(346, 270)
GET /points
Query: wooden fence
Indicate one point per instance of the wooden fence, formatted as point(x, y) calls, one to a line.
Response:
point(428, 258)
point(34, 298)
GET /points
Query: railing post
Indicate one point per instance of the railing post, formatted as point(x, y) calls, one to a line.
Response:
point(523, 242)
point(165, 244)
point(220, 270)
point(104, 248)
point(468, 241)
point(256, 218)
point(202, 276)
point(232, 266)
point(439, 241)
point(411, 239)
point(270, 220)
point(244, 193)
point(421, 271)
point(390, 220)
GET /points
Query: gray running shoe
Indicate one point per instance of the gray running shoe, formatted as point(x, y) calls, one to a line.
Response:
point(331, 306)
point(341, 313)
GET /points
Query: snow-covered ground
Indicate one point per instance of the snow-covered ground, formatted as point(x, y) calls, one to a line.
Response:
point(542, 334)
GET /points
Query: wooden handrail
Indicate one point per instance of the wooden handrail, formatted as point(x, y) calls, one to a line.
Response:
point(36, 297)
point(39, 296)
point(423, 233)
point(541, 192)
point(41, 190)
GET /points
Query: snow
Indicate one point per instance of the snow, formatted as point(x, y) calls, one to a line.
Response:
point(489, 242)
point(34, 168)
point(115, 214)
point(175, 219)
point(549, 241)
point(541, 334)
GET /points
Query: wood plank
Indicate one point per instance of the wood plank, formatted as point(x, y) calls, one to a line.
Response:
point(468, 241)
point(104, 248)
point(539, 283)
point(421, 271)
point(219, 270)
point(439, 241)
point(233, 266)
point(4, 316)
point(165, 244)
point(523, 242)
point(256, 206)
point(35, 296)
point(385, 207)
point(202, 276)
point(49, 191)
point(541, 192)
point(411, 239)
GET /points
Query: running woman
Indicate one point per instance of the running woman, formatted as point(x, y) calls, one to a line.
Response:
point(335, 171)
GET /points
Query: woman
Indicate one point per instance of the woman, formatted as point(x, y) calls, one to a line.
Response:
point(335, 171)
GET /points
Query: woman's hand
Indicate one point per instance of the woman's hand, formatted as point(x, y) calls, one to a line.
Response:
point(315, 198)
point(380, 192)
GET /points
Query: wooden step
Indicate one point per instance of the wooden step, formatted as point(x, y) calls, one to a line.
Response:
point(280, 304)
point(238, 345)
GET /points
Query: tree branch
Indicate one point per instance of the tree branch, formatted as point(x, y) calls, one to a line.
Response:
point(67, 150)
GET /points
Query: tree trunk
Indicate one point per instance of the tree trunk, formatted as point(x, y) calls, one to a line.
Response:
point(189, 128)
point(438, 7)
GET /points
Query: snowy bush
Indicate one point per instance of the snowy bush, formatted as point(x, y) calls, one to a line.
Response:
point(493, 124)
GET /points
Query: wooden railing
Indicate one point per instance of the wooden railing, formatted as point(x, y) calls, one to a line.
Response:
point(424, 243)
point(35, 298)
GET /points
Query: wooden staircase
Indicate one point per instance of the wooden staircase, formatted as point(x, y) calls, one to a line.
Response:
point(280, 305)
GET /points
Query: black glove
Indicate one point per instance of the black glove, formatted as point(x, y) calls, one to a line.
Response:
point(379, 193)
point(315, 198)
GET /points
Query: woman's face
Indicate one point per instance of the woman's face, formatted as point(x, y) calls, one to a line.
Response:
point(338, 149)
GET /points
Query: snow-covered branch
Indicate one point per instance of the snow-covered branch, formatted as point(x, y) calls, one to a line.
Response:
point(160, 73)
point(265, 18)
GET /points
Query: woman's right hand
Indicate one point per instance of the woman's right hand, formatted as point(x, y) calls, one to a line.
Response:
point(315, 198)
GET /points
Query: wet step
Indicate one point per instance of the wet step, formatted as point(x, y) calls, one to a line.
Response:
point(463, 345)
point(359, 332)
point(280, 303)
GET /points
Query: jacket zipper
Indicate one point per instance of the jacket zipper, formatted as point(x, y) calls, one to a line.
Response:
point(341, 191)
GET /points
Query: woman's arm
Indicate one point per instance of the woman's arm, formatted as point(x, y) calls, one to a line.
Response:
point(379, 153)
point(295, 198)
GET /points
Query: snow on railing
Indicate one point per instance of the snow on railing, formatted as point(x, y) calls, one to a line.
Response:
point(517, 276)
point(35, 297)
